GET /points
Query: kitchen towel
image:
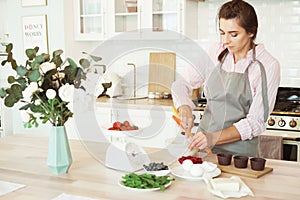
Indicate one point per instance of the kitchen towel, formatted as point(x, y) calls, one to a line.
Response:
point(7, 187)
point(270, 146)
point(65, 196)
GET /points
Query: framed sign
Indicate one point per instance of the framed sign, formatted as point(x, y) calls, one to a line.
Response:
point(35, 32)
point(34, 3)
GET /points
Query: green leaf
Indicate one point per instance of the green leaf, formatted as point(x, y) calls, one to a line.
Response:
point(34, 75)
point(85, 63)
point(21, 70)
point(72, 63)
point(16, 88)
point(25, 107)
point(2, 92)
point(36, 49)
point(11, 79)
point(21, 81)
point(94, 58)
point(39, 58)
point(10, 101)
point(30, 53)
point(57, 53)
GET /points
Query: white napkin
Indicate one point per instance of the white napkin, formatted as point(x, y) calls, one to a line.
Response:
point(7, 187)
point(64, 196)
point(244, 190)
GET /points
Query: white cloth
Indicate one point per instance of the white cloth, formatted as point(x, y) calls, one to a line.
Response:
point(65, 196)
point(7, 187)
point(244, 190)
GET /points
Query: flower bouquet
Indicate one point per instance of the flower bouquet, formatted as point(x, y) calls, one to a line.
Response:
point(45, 86)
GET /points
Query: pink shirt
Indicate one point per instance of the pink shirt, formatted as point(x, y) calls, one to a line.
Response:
point(253, 125)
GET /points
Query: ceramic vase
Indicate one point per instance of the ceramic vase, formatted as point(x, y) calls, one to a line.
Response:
point(59, 154)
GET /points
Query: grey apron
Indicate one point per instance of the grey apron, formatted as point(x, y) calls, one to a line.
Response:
point(229, 99)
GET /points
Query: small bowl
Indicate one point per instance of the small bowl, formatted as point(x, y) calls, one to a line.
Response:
point(224, 158)
point(258, 164)
point(240, 161)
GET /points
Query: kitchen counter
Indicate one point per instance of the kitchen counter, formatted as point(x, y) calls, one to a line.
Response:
point(137, 103)
point(23, 160)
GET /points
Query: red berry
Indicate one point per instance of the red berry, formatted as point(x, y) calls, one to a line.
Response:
point(126, 123)
point(117, 125)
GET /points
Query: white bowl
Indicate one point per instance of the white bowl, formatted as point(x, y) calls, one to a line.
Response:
point(158, 172)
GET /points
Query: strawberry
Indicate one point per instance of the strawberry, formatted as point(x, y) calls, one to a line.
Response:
point(117, 125)
point(126, 123)
point(111, 128)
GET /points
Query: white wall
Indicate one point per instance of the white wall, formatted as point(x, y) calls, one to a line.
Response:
point(279, 30)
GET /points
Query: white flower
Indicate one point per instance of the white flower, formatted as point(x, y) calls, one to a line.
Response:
point(50, 94)
point(46, 66)
point(65, 92)
point(27, 93)
point(25, 116)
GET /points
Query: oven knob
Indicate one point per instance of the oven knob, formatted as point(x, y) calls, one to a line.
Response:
point(293, 123)
point(281, 123)
point(271, 122)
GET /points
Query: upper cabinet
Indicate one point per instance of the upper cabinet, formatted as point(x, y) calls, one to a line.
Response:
point(102, 19)
point(90, 19)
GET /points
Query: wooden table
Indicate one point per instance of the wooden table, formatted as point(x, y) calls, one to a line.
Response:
point(23, 160)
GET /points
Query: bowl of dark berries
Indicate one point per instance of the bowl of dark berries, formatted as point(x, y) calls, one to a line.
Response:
point(157, 168)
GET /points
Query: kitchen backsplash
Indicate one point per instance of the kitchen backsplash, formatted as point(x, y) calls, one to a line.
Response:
point(279, 31)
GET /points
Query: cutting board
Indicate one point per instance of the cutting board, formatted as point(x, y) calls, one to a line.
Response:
point(245, 171)
point(162, 69)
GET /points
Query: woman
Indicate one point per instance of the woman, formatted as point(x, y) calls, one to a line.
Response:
point(240, 88)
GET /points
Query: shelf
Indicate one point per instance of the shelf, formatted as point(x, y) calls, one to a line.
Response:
point(126, 14)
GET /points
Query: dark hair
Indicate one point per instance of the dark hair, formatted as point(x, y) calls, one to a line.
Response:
point(245, 15)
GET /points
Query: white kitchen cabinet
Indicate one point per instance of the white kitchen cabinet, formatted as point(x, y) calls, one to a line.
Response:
point(102, 19)
point(90, 16)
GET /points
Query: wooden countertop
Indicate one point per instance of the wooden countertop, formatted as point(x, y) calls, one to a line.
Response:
point(23, 160)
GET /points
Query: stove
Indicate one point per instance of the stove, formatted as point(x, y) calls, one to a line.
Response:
point(286, 112)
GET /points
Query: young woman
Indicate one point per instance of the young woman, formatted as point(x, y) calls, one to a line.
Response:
point(240, 89)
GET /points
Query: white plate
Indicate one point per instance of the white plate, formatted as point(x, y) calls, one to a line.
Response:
point(159, 172)
point(120, 183)
point(115, 133)
point(181, 173)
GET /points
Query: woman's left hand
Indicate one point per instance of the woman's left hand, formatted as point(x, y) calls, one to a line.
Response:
point(199, 140)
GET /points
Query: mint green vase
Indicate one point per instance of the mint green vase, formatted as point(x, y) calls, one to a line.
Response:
point(59, 155)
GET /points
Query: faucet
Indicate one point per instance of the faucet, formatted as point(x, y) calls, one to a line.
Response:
point(134, 78)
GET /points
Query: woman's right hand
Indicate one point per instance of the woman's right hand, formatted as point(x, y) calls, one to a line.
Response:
point(186, 117)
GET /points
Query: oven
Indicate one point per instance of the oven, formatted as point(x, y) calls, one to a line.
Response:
point(284, 121)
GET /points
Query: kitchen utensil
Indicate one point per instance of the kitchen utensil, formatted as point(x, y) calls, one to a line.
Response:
point(188, 133)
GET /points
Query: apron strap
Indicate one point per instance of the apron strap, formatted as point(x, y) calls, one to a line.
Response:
point(264, 87)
